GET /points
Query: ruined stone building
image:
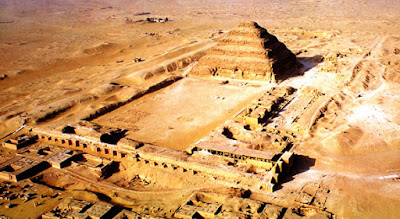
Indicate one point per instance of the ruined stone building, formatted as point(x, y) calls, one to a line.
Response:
point(248, 52)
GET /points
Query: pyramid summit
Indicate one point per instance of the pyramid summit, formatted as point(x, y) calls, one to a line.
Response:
point(248, 52)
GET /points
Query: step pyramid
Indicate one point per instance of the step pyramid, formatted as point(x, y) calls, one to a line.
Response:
point(248, 52)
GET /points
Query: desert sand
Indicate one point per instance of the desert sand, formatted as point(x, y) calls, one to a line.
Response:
point(64, 62)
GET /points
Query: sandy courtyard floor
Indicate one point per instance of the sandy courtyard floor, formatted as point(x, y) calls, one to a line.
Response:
point(182, 113)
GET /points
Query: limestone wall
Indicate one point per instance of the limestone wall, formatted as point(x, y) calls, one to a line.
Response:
point(118, 152)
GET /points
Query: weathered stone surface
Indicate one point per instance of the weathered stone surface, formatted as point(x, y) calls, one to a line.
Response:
point(248, 52)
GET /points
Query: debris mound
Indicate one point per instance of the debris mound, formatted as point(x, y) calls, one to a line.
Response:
point(248, 52)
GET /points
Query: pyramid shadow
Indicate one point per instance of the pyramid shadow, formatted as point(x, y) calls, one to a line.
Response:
point(307, 63)
point(304, 64)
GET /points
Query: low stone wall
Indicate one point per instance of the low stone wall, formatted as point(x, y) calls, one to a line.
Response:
point(86, 145)
point(116, 152)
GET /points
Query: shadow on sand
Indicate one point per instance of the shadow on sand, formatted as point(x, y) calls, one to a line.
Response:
point(307, 63)
point(303, 64)
point(301, 164)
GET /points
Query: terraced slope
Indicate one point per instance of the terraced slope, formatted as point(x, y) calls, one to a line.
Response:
point(248, 52)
